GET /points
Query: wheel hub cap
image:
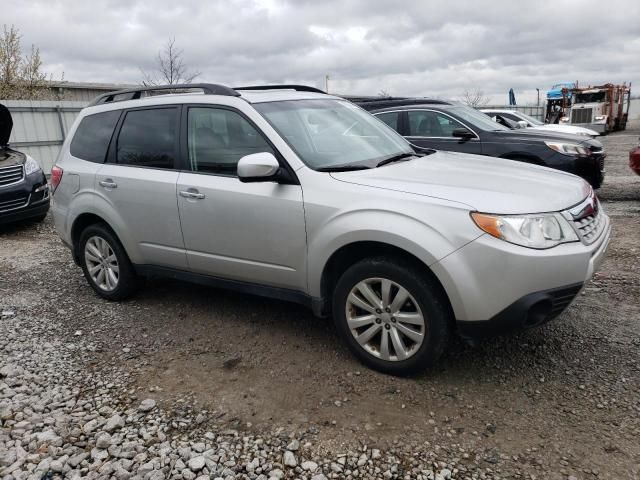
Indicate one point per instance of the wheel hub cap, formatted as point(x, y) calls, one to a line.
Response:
point(102, 263)
point(385, 319)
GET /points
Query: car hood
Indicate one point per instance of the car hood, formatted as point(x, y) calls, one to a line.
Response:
point(6, 125)
point(554, 127)
point(540, 134)
point(486, 184)
point(9, 158)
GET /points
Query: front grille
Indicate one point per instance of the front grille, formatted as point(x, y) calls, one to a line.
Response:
point(14, 203)
point(588, 219)
point(581, 115)
point(11, 175)
point(561, 298)
point(601, 163)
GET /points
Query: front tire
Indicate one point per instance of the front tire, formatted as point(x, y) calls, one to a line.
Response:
point(392, 316)
point(105, 263)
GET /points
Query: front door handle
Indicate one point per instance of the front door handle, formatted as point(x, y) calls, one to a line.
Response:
point(108, 183)
point(192, 193)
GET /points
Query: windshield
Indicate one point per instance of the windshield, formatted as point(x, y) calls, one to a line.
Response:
point(330, 132)
point(475, 118)
point(591, 97)
point(530, 119)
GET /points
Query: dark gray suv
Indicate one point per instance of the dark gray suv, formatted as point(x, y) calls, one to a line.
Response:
point(443, 125)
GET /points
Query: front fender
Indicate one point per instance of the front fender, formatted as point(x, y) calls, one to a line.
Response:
point(422, 240)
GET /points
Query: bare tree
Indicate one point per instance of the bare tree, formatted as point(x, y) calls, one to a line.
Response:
point(475, 98)
point(384, 93)
point(21, 77)
point(170, 67)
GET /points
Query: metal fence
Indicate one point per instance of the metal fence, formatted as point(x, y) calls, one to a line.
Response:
point(40, 127)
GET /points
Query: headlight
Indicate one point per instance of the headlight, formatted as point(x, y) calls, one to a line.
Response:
point(599, 118)
point(541, 230)
point(567, 148)
point(31, 166)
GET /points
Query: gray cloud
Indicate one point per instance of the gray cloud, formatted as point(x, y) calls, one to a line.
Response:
point(413, 48)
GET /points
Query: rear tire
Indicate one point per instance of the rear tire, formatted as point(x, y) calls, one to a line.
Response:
point(105, 263)
point(417, 329)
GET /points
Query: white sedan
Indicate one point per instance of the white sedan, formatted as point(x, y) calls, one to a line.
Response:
point(526, 121)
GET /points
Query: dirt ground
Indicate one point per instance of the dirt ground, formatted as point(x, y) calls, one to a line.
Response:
point(559, 401)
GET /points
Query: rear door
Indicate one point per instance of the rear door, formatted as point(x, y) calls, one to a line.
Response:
point(138, 184)
point(251, 232)
point(433, 129)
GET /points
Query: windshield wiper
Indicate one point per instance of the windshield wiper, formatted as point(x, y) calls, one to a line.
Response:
point(397, 158)
point(342, 168)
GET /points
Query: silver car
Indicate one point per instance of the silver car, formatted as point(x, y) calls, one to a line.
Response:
point(291, 193)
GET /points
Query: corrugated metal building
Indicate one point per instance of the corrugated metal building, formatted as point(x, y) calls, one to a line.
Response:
point(84, 91)
point(40, 127)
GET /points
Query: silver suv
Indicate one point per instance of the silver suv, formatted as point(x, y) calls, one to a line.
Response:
point(291, 193)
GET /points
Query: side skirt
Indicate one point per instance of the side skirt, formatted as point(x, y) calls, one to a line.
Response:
point(285, 294)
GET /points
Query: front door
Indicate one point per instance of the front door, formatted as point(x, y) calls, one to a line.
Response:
point(139, 182)
point(250, 232)
point(432, 129)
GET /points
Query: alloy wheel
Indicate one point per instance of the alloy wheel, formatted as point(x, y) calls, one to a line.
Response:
point(102, 263)
point(385, 319)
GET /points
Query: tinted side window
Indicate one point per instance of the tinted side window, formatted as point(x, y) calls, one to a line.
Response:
point(148, 138)
point(93, 135)
point(431, 124)
point(219, 138)
point(391, 119)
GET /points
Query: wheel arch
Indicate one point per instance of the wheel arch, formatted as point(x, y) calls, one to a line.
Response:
point(81, 222)
point(353, 252)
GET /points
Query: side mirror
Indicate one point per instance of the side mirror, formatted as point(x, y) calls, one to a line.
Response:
point(522, 124)
point(258, 167)
point(463, 133)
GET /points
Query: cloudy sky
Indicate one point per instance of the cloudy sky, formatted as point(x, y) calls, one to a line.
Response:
point(434, 48)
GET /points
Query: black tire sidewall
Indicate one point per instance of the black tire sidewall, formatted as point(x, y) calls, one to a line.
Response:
point(127, 281)
point(434, 308)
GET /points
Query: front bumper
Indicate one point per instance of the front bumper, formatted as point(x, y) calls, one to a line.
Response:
point(497, 286)
point(530, 311)
point(26, 199)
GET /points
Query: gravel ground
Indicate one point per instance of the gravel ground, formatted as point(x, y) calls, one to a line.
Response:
point(191, 382)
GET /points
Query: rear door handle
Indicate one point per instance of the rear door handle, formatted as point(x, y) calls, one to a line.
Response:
point(192, 193)
point(108, 183)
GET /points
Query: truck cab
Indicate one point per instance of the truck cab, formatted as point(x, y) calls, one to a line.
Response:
point(599, 108)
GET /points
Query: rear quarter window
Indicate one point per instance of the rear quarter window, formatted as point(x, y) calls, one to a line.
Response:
point(93, 135)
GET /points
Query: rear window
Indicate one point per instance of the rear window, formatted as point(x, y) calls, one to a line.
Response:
point(93, 135)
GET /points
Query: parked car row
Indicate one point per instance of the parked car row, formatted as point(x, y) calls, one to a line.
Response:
point(287, 192)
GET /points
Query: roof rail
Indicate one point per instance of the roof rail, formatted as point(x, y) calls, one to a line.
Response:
point(297, 88)
point(136, 93)
point(375, 103)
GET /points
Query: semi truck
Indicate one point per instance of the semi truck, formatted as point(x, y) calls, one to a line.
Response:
point(603, 108)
